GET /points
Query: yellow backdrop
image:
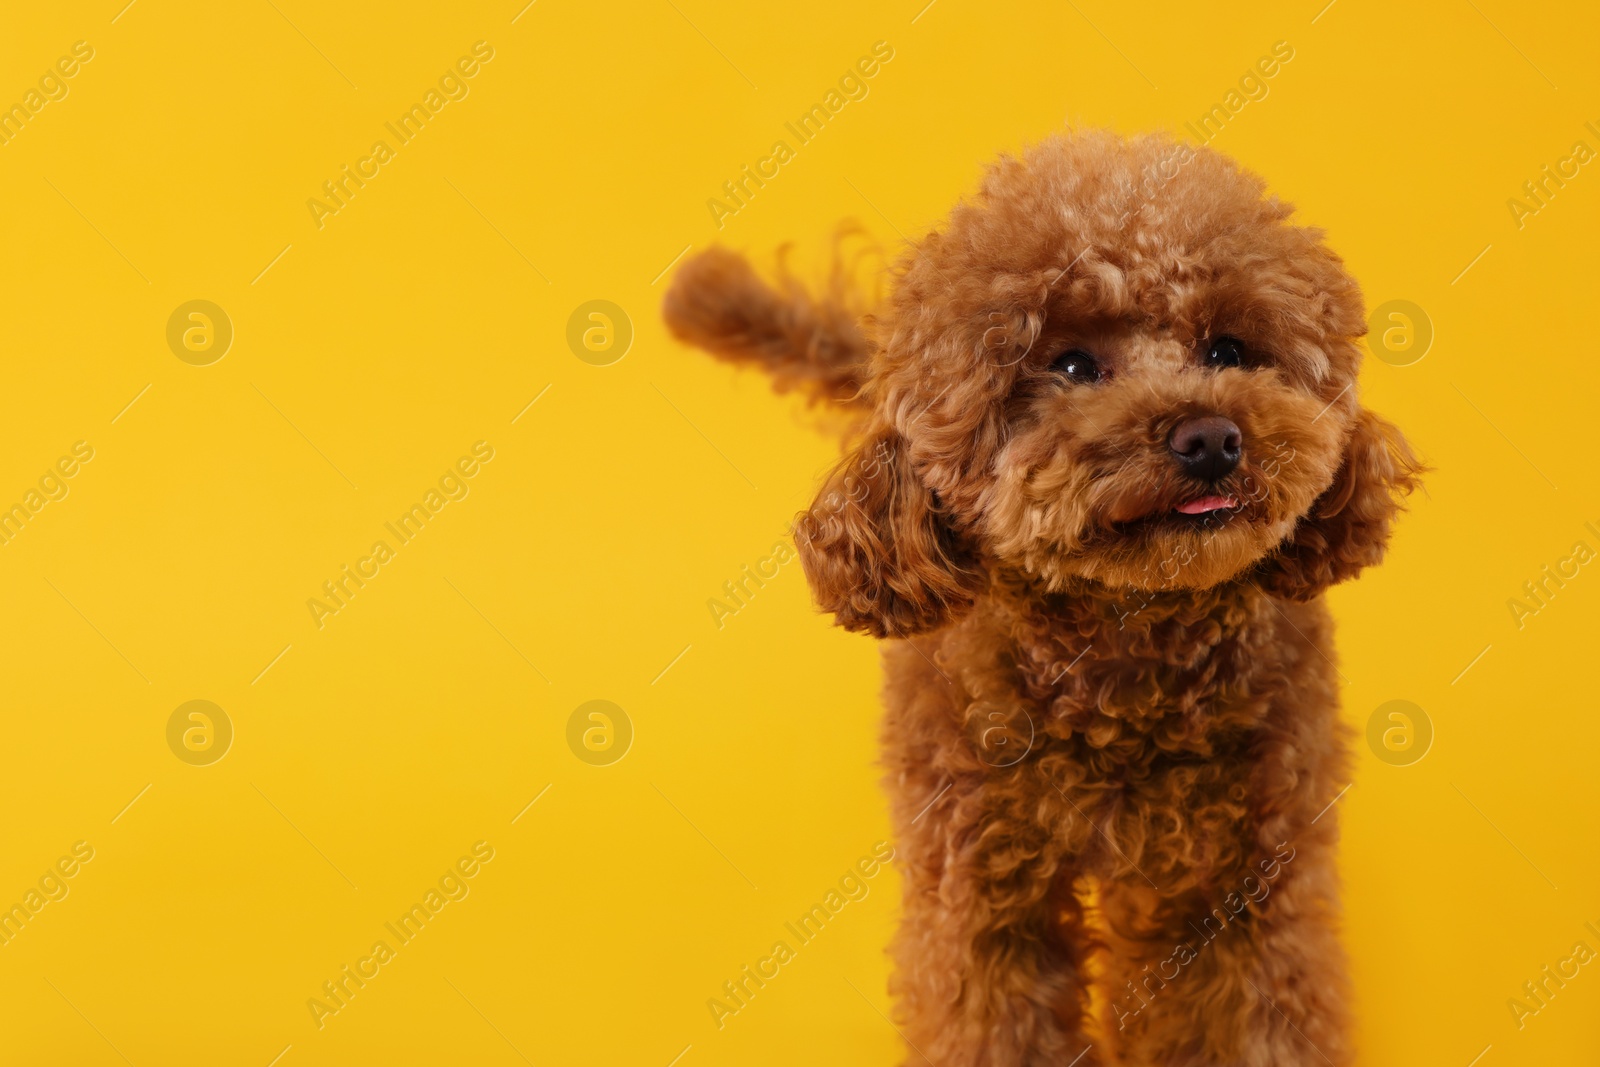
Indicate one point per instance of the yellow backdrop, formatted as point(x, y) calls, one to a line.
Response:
point(243, 344)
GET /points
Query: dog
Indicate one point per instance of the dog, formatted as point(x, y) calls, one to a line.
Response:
point(1106, 456)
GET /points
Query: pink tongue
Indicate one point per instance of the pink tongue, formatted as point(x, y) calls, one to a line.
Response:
point(1207, 503)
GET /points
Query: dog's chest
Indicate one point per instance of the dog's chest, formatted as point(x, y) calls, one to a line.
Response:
point(1151, 703)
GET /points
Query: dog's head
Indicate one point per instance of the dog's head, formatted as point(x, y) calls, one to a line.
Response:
point(1120, 363)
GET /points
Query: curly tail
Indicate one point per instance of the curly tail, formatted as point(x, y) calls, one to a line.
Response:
point(717, 302)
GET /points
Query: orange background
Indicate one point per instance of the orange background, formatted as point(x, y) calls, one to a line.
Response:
point(369, 354)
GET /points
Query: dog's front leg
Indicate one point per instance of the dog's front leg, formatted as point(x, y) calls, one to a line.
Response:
point(1249, 974)
point(989, 955)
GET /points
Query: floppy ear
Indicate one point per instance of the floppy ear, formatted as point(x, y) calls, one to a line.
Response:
point(1347, 527)
point(878, 553)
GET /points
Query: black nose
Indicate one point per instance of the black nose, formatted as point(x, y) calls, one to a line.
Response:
point(1208, 447)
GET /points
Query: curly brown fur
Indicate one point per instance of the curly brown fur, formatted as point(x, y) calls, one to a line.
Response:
point(1095, 696)
point(717, 302)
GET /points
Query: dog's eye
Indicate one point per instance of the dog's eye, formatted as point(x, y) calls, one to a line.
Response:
point(1225, 352)
point(1078, 366)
